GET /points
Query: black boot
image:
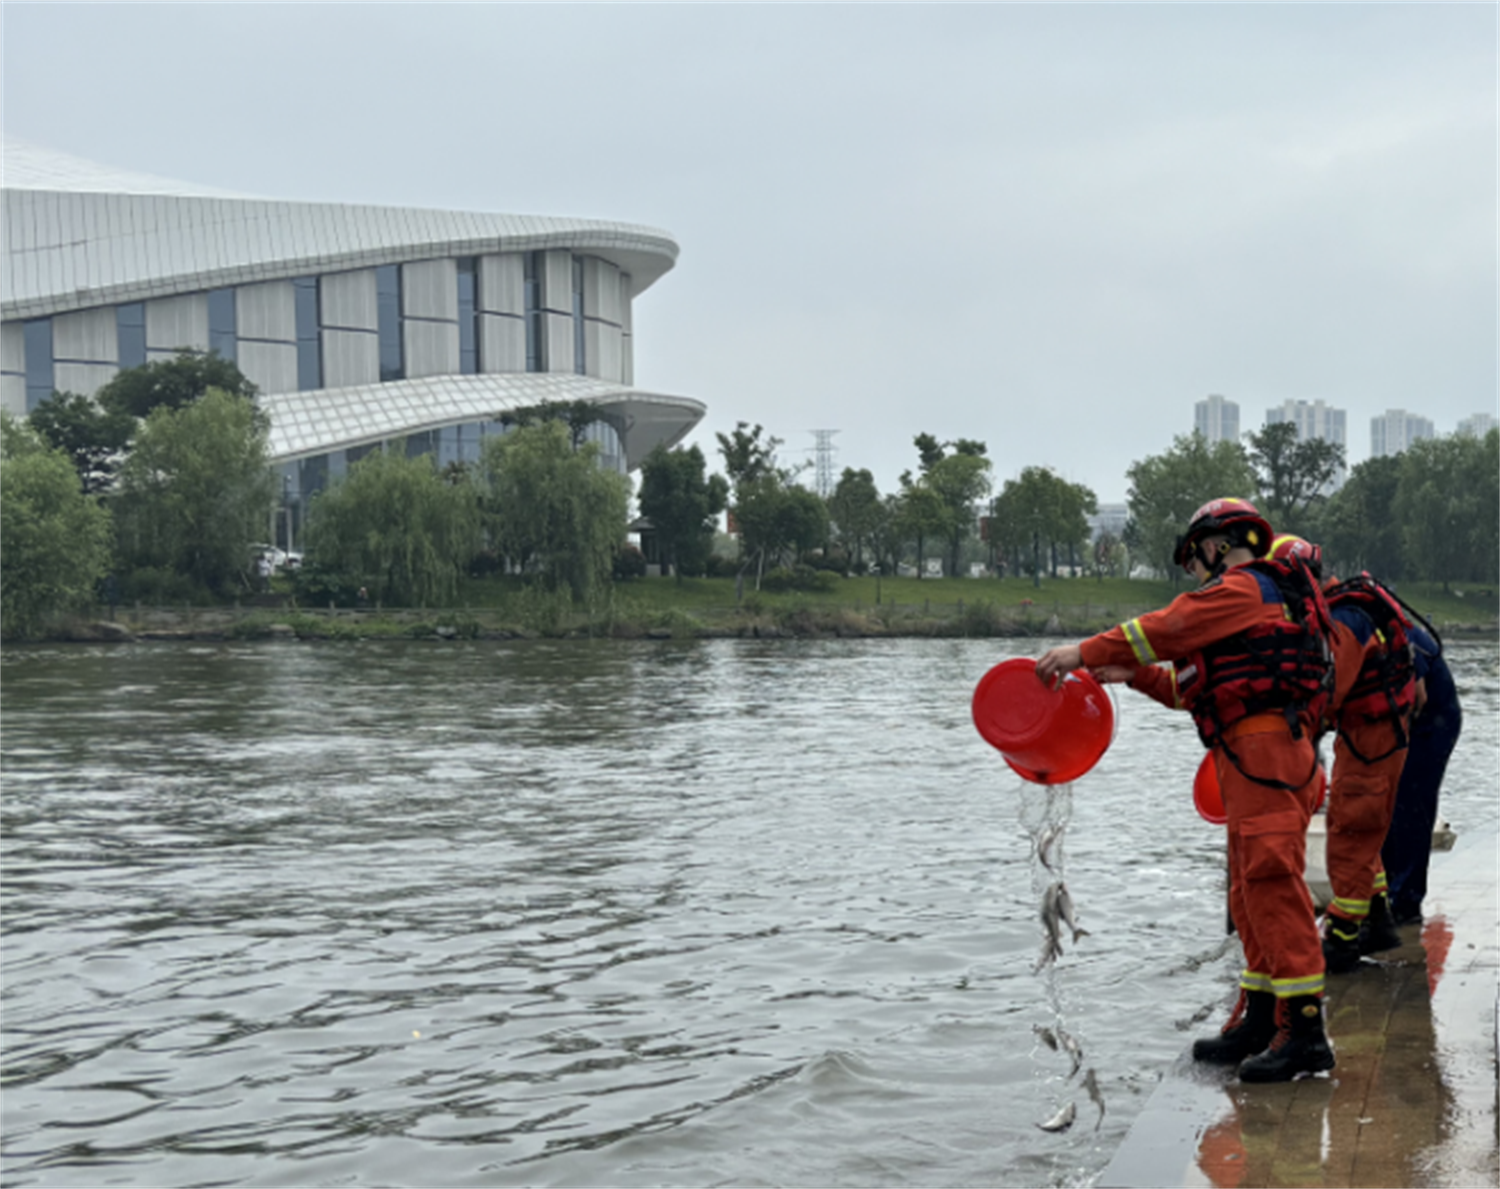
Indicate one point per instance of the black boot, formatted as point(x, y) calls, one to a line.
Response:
point(1340, 944)
point(1251, 1026)
point(1300, 1045)
point(1378, 933)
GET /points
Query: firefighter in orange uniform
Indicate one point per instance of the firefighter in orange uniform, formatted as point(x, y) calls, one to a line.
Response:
point(1251, 662)
point(1374, 697)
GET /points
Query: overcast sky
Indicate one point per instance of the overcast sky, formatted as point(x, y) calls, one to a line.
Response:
point(1049, 227)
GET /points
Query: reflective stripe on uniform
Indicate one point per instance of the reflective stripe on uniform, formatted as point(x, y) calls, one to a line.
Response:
point(1355, 910)
point(1285, 988)
point(1144, 653)
point(1250, 980)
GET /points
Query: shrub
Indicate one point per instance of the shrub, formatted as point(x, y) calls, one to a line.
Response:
point(630, 563)
point(802, 578)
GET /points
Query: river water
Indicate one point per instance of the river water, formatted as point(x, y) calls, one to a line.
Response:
point(588, 913)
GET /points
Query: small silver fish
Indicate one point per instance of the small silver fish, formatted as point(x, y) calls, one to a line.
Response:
point(1065, 909)
point(1046, 1036)
point(1051, 951)
point(1072, 1048)
point(1062, 1120)
point(1091, 1084)
point(1044, 844)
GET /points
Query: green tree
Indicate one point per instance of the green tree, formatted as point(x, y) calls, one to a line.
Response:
point(196, 490)
point(748, 459)
point(393, 524)
point(1291, 475)
point(1358, 528)
point(1482, 464)
point(577, 415)
point(959, 479)
point(1041, 508)
point(551, 510)
point(1446, 501)
point(921, 515)
point(92, 436)
point(54, 538)
point(1166, 489)
point(173, 383)
point(769, 518)
point(682, 503)
point(855, 508)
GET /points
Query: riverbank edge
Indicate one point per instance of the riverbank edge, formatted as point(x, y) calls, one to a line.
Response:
point(300, 624)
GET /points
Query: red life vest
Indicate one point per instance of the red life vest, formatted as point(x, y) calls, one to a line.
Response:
point(1283, 665)
point(1385, 688)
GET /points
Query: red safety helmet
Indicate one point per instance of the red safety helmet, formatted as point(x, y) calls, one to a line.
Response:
point(1237, 519)
point(1287, 546)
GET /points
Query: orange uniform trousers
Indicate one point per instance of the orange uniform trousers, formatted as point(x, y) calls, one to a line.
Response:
point(1361, 802)
point(1268, 896)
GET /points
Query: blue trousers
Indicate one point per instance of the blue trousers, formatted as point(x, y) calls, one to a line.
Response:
point(1408, 843)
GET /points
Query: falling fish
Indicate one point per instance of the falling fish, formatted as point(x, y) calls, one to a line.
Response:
point(1057, 910)
point(1046, 1036)
point(1071, 1048)
point(1062, 1120)
point(1091, 1084)
point(1045, 843)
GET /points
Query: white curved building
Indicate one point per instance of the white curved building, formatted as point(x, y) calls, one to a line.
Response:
point(359, 324)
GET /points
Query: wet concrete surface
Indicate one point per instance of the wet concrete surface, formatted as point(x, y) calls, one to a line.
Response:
point(1413, 1099)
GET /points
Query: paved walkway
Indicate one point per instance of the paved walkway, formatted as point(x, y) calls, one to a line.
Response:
point(1413, 1101)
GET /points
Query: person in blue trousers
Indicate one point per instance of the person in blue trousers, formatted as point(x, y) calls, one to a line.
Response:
point(1434, 732)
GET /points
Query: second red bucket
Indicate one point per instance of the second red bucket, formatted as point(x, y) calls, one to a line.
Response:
point(1047, 736)
point(1208, 797)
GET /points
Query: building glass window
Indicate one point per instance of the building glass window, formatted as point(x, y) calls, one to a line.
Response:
point(579, 362)
point(40, 376)
point(536, 339)
point(309, 342)
point(222, 330)
point(130, 325)
point(388, 311)
point(468, 316)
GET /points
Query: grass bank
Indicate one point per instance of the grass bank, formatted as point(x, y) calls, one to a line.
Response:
point(715, 607)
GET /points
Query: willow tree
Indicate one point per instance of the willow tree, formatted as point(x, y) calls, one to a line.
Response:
point(550, 510)
point(53, 537)
point(397, 527)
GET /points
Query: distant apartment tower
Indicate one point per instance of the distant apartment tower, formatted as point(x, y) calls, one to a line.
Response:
point(1396, 431)
point(1478, 425)
point(1217, 419)
point(1111, 519)
point(1315, 419)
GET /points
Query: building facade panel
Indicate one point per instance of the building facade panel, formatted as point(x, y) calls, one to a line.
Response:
point(502, 343)
point(429, 289)
point(347, 300)
point(85, 379)
point(601, 290)
point(13, 394)
point(267, 312)
point(177, 323)
point(271, 367)
point(350, 357)
point(88, 336)
point(431, 348)
point(12, 350)
point(602, 350)
point(558, 329)
point(557, 287)
point(502, 280)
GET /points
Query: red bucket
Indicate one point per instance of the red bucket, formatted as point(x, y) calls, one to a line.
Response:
point(1047, 736)
point(1208, 798)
